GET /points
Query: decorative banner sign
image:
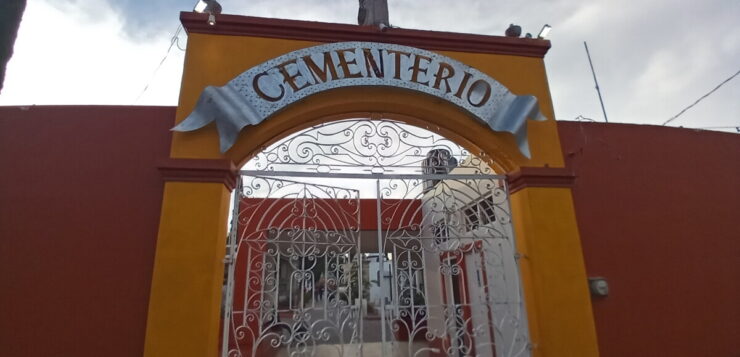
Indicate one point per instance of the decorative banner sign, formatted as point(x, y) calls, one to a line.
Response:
point(261, 91)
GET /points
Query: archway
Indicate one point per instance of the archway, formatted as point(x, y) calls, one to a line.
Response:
point(186, 292)
point(321, 211)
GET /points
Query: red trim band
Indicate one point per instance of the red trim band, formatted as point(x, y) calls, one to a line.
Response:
point(329, 32)
point(540, 177)
point(199, 170)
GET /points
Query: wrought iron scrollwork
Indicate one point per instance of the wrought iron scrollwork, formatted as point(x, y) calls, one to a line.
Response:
point(362, 146)
point(420, 262)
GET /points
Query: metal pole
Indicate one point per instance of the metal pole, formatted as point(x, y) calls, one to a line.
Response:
point(381, 267)
point(595, 81)
point(230, 266)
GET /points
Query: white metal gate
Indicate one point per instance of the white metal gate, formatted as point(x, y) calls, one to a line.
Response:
point(371, 238)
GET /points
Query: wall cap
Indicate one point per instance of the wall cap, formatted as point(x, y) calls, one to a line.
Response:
point(236, 25)
point(199, 170)
point(540, 177)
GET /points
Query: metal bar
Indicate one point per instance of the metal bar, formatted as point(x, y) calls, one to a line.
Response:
point(372, 176)
point(521, 312)
point(325, 292)
point(246, 284)
point(389, 309)
point(262, 308)
point(230, 262)
point(598, 90)
point(381, 267)
point(302, 290)
point(276, 294)
point(360, 284)
point(394, 286)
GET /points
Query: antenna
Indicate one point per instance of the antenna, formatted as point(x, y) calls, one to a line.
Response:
point(595, 81)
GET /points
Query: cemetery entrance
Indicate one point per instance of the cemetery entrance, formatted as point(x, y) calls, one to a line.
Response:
point(365, 237)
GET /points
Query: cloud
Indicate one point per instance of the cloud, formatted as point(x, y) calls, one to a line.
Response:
point(64, 55)
point(139, 20)
point(653, 58)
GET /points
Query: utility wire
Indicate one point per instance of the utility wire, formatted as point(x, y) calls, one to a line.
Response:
point(718, 127)
point(581, 117)
point(578, 118)
point(174, 40)
point(702, 98)
point(736, 127)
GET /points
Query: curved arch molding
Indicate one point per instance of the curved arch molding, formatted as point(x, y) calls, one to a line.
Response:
point(265, 89)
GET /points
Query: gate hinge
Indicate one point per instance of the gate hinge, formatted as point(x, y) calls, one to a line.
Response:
point(228, 259)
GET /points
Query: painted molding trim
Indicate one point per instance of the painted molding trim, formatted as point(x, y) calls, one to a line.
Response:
point(540, 177)
point(199, 170)
point(234, 25)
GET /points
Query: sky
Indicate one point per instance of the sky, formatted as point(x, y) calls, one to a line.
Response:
point(653, 58)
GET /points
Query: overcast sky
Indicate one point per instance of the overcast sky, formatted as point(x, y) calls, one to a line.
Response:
point(652, 57)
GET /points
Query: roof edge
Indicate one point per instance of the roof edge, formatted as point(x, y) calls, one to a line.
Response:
point(236, 25)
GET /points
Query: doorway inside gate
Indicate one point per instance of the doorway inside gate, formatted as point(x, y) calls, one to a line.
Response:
point(364, 237)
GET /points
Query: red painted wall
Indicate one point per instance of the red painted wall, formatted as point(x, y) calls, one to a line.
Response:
point(340, 214)
point(80, 199)
point(659, 214)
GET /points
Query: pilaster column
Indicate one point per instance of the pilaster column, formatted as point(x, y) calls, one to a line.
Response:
point(553, 269)
point(185, 297)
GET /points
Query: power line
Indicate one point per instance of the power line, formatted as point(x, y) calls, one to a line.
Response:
point(581, 117)
point(587, 119)
point(702, 98)
point(174, 40)
point(737, 128)
point(719, 127)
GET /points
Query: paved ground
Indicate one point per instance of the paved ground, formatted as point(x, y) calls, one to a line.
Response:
point(372, 349)
point(338, 341)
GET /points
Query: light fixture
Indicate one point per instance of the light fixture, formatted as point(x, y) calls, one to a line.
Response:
point(200, 6)
point(210, 7)
point(598, 286)
point(544, 32)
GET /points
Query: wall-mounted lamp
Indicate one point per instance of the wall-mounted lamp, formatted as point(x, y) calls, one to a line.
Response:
point(210, 7)
point(544, 32)
point(200, 6)
point(598, 286)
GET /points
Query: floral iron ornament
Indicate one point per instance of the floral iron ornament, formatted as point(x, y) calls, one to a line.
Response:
point(263, 90)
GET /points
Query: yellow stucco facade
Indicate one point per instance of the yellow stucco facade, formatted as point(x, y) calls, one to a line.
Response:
point(185, 300)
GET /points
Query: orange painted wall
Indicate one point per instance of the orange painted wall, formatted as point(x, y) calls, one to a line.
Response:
point(658, 214)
